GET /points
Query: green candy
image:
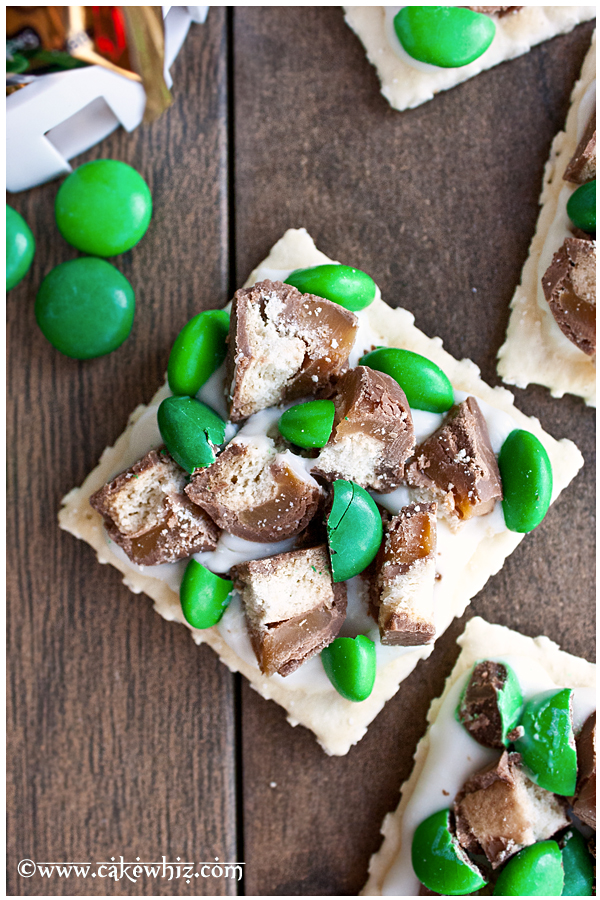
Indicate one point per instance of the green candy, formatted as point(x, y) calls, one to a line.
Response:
point(344, 285)
point(438, 860)
point(535, 871)
point(191, 431)
point(308, 424)
point(425, 385)
point(501, 707)
point(446, 36)
point(20, 247)
point(199, 349)
point(351, 665)
point(103, 207)
point(204, 596)
point(354, 530)
point(578, 866)
point(85, 307)
point(581, 207)
point(548, 743)
point(526, 474)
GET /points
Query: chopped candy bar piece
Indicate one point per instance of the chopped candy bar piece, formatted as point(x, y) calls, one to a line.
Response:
point(499, 811)
point(584, 806)
point(283, 345)
point(491, 704)
point(402, 587)
point(373, 433)
point(457, 466)
point(147, 513)
point(292, 606)
point(582, 167)
point(570, 289)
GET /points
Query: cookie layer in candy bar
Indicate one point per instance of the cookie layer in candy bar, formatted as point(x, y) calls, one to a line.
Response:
point(407, 82)
point(584, 805)
point(551, 336)
point(464, 558)
point(496, 807)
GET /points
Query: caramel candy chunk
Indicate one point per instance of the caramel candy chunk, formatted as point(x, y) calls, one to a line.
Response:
point(499, 811)
point(570, 289)
point(584, 805)
point(147, 513)
point(293, 608)
point(487, 713)
point(457, 466)
point(372, 434)
point(404, 576)
point(283, 345)
point(582, 167)
point(255, 493)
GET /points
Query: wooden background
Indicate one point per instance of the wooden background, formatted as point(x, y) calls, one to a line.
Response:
point(124, 737)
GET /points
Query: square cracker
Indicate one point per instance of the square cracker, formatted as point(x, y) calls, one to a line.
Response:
point(479, 640)
point(405, 86)
point(535, 350)
point(337, 723)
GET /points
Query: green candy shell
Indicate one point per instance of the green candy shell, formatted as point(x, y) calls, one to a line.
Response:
point(535, 871)
point(509, 704)
point(343, 285)
point(85, 308)
point(578, 866)
point(438, 860)
point(198, 351)
point(204, 596)
point(309, 424)
point(20, 248)
point(548, 743)
point(190, 430)
point(446, 36)
point(354, 530)
point(351, 666)
point(104, 207)
point(425, 385)
point(526, 473)
point(581, 207)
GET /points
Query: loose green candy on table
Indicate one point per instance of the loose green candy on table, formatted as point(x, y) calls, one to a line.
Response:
point(425, 385)
point(348, 287)
point(535, 871)
point(103, 207)
point(351, 665)
point(20, 247)
point(190, 430)
point(204, 596)
point(354, 530)
point(548, 743)
point(85, 307)
point(526, 473)
point(581, 207)
point(199, 349)
point(446, 36)
point(308, 424)
point(438, 860)
point(578, 865)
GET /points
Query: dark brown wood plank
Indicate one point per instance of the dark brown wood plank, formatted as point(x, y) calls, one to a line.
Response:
point(433, 202)
point(121, 731)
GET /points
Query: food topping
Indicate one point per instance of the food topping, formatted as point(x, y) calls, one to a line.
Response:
point(425, 385)
point(199, 349)
point(548, 744)
point(439, 861)
point(354, 530)
point(204, 596)
point(526, 481)
point(308, 425)
point(578, 865)
point(404, 576)
point(349, 287)
point(569, 286)
point(584, 805)
point(351, 664)
point(373, 433)
point(191, 431)
point(491, 704)
point(534, 872)
point(582, 167)
point(446, 36)
point(581, 207)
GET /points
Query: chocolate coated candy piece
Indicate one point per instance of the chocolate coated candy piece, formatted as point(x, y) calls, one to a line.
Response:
point(582, 167)
point(445, 36)
point(147, 513)
point(426, 386)
point(199, 349)
point(570, 289)
point(349, 287)
point(534, 872)
point(548, 745)
point(308, 425)
point(292, 607)
point(373, 432)
point(191, 431)
point(491, 704)
point(283, 345)
point(351, 666)
point(584, 806)
point(500, 810)
point(581, 207)
point(403, 581)
point(20, 247)
point(526, 473)
point(204, 596)
point(255, 494)
point(457, 465)
point(354, 530)
point(578, 865)
point(438, 860)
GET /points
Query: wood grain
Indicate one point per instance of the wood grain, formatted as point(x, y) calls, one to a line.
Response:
point(439, 204)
